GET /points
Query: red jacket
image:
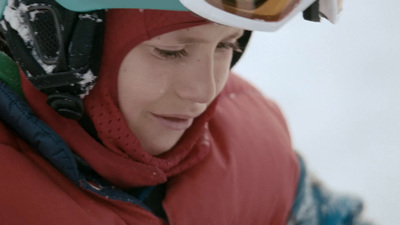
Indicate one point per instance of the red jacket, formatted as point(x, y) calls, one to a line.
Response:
point(250, 176)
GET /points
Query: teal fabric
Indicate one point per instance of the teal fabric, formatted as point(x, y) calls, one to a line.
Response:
point(87, 5)
point(2, 6)
point(9, 73)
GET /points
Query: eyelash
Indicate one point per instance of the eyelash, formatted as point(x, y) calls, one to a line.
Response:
point(168, 54)
point(228, 45)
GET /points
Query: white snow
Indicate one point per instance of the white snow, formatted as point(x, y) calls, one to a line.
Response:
point(91, 17)
point(3, 25)
point(15, 18)
point(338, 86)
point(48, 68)
point(88, 78)
point(33, 14)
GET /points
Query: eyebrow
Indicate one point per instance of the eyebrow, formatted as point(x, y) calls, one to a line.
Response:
point(185, 40)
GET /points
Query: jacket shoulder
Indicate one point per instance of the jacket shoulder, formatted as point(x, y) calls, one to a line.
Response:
point(239, 87)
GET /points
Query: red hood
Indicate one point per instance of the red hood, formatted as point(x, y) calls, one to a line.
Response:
point(120, 157)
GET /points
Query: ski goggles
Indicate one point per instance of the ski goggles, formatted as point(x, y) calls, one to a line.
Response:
point(262, 15)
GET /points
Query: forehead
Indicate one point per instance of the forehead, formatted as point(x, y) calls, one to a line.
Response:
point(202, 34)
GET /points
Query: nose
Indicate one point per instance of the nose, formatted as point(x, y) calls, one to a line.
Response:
point(197, 82)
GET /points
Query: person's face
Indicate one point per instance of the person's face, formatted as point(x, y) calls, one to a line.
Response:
point(166, 82)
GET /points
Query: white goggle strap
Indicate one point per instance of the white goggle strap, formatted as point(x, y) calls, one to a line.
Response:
point(330, 9)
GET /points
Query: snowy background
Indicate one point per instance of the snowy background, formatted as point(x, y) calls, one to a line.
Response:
point(339, 87)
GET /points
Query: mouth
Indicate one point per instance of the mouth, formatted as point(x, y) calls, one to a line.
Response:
point(173, 122)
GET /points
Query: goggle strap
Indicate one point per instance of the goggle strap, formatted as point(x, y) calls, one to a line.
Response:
point(20, 53)
point(312, 12)
point(243, 41)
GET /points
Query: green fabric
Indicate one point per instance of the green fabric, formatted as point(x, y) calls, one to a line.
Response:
point(2, 6)
point(9, 73)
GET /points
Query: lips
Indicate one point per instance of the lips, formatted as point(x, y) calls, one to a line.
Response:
point(173, 122)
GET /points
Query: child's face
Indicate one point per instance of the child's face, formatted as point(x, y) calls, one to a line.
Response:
point(168, 81)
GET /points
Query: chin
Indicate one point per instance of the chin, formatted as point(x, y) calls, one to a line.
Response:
point(158, 149)
point(161, 144)
point(156, 152)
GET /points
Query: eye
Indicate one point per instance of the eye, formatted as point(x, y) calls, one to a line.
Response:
point(229, 45)
point(169, 54)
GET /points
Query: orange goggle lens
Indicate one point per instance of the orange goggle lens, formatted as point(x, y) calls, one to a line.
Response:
point(267, 10)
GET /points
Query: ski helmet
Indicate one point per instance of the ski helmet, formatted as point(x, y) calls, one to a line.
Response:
point(262, 15)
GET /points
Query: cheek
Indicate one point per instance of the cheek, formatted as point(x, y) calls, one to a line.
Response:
point(140, 84)
point(222, 74)
point(127, 92)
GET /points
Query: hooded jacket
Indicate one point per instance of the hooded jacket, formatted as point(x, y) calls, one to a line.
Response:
point(234, 166)
point(238, 182)
point(235, 158)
